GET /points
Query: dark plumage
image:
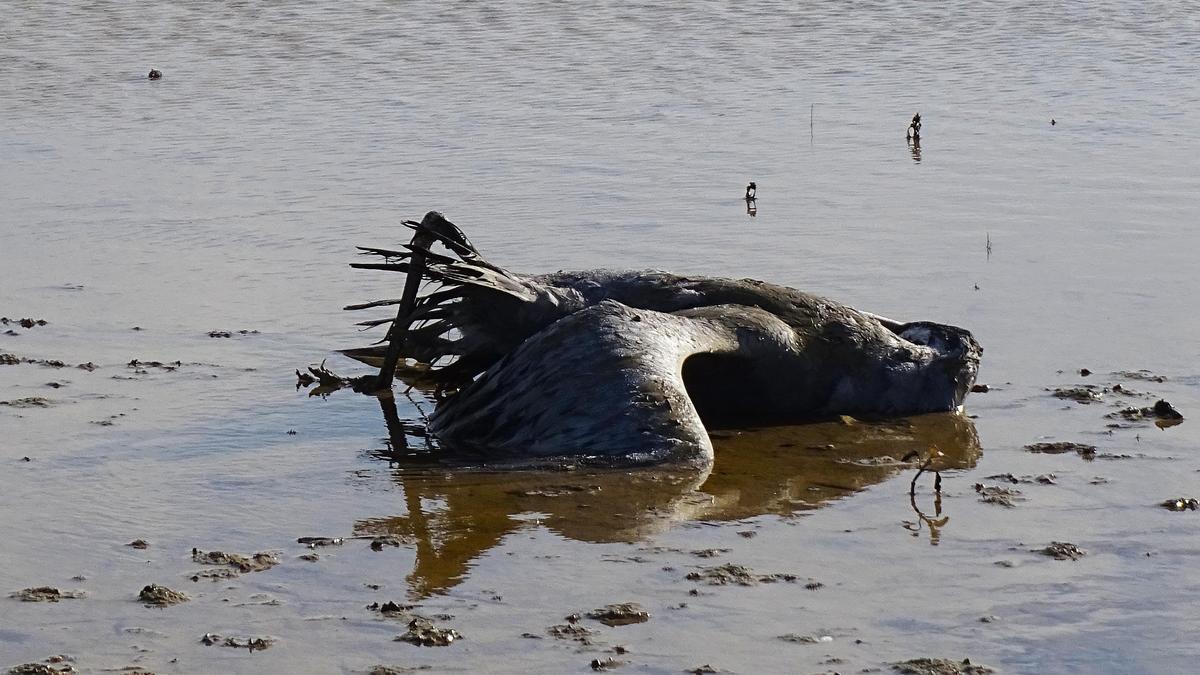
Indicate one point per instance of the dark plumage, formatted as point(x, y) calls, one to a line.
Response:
point(630, 364)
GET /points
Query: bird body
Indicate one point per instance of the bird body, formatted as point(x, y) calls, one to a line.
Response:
point(631, 366)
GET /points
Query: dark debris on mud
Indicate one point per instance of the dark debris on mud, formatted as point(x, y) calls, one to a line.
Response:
point(571, 631)
point(730, 573)
point(215, 574)
point(46, 594)
point(1181, 504)
point(422, 632)
point(29, 402)
point(1162, 411)
point(805, 639)
point(608, 663)
point(1062, 447)
point(41, 669)
point(621, 614)
point(154, 595)
point(1043, 479)
point(142, 367)
point(928, 666)
point(254, 644)
point(1088, 393)
point(998, 495)
point(391, 609)
point(1061, 550)
point(23, 323)
point(314, 542)
point(1144, 375)
point(234, 563)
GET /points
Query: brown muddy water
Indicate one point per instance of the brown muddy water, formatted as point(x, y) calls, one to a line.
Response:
point(136, 216)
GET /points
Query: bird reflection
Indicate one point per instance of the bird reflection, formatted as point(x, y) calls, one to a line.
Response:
point(914, 147)
point(455, 513)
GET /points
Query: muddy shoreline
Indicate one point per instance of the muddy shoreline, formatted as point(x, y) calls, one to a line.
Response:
point(688, 550)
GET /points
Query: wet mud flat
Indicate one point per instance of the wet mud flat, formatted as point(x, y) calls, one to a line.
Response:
point(287, 546)
point(154, 225)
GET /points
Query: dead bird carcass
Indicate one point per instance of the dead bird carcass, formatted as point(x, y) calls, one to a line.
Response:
point(632, 365)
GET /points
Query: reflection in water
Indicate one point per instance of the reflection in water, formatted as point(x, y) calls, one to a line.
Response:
point(454, 515)
point(914, 146)
point(935, 523)
point(396, 445)
point(751, 207)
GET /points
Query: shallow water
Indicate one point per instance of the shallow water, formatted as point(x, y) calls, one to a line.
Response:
point(228, 196)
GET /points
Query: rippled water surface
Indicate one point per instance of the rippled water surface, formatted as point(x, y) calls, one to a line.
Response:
point(229, 195)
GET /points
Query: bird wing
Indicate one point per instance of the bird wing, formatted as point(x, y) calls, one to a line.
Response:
point(603, 383)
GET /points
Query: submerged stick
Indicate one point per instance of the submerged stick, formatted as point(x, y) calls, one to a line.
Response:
point(938, 521)
point(937, 482)
point(912, 487)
